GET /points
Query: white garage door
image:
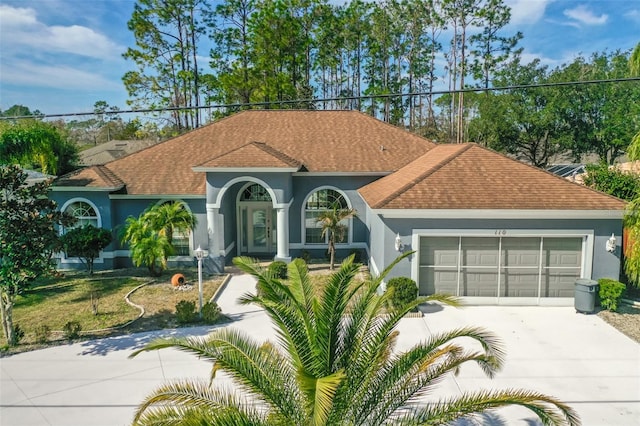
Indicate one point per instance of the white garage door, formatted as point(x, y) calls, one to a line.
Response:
point(500, 266)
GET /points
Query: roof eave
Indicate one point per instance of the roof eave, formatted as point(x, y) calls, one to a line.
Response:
point(86, 188)
point(245, 169)
point(499, 213)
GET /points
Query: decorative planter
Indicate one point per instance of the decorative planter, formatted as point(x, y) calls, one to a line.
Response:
point(177, 280)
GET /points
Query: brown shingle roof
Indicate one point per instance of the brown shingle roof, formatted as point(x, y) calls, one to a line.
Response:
point(467, 176)
point(323, 141)
point(91, 177)
point(254, 154)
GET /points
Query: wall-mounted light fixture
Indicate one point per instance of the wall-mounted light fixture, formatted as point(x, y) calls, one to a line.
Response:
point(399, 245)
point(611, 244)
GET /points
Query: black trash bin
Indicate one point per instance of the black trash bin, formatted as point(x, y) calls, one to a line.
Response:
point(586, 292)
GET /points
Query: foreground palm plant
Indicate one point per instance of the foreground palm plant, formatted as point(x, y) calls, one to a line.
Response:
point(334, 364)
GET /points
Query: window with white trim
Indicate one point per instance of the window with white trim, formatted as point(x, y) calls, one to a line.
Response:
point(84, 213)
point(318, 202)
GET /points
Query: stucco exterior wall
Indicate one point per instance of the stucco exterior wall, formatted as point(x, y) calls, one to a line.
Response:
point(384, 230)
point(113, 214)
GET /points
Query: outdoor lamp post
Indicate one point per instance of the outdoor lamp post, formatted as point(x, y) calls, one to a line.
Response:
point(200, 255)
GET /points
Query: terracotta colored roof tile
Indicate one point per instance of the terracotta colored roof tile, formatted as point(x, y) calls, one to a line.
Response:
point(254, 154)
point(324, 141)
point(92, 177)
point(468, 176)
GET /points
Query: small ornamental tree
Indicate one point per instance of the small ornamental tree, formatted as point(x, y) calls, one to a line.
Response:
point(86, 243)
point(332, 223)
point(150, 235)
point(27, 231)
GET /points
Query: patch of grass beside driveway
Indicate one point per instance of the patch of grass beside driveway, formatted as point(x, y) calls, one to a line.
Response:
point(54, 301)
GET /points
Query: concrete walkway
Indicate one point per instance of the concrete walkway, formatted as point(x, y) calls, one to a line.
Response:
point(577, 358)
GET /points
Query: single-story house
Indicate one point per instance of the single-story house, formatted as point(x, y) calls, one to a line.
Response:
point(482, 225)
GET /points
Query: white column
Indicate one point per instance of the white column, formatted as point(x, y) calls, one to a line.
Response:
point(215, 229)
point(283, 234)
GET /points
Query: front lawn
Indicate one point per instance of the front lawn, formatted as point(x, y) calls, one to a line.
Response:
point(75, 296)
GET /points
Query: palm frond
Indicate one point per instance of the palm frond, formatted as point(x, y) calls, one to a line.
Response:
point(258, 369)
point(549, 410)
point(194, 403)
point(331, 310)
point(320, 392)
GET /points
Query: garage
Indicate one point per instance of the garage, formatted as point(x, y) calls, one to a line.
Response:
point(504, 266)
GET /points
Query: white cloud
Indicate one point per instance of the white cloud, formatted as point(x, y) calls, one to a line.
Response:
point(634, 15)
point(22, 30)
point(583, 15)
point(25, 73)
point(527, 11)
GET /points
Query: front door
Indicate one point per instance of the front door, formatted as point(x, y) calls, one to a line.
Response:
point(259, 228)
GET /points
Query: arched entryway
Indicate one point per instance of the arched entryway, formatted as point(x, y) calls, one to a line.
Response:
point(257, 224)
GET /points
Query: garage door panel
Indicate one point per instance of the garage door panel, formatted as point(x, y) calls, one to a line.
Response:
point(479, 282)
point(478, 251)
point(438, 280)
point(426, 281)
point(439, 251)
point(520, 283)
point(565, 252)
point(559, 283)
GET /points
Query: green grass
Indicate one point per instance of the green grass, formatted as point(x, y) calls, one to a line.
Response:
point(69, 299)
point(54, 301)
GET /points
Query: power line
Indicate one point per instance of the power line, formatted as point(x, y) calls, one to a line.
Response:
point(334, 99)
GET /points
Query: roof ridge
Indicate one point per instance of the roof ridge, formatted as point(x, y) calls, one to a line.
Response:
point(108, 175)
point(463, 148)
point(277, 153)
point(388, 124)
point(223, 154)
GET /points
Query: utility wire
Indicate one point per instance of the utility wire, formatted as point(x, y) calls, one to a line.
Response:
point(334, 99)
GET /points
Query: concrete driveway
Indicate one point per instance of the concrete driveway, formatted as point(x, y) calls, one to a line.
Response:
point(577, 358)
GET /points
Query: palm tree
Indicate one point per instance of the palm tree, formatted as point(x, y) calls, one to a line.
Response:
point(332, 223)
point(147, 247)
point(169, 217)
point(335, 364)
point(152, 251)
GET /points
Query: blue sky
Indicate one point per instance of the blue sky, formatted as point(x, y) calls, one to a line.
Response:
point(61, 56)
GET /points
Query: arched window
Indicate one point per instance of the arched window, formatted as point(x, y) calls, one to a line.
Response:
point(85, 213)
point(318, 202)
point(255, 192)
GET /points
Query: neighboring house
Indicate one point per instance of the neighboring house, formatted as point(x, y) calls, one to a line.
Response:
point(482, 225)
point(573, 172)
point(112, 150)
point(34, 177)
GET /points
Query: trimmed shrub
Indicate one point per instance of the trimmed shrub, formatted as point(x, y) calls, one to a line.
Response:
point(306, 256)
point(405, 291)
point(278, 269)
point(42, 333)
point(211, 312)
point(185, 311)
point(611, 292)
point(71, 330)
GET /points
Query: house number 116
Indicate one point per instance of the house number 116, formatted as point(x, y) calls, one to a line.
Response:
point(501, 232)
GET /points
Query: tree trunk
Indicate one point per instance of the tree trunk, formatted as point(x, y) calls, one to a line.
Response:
point(6, 312)
point(332, 252)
